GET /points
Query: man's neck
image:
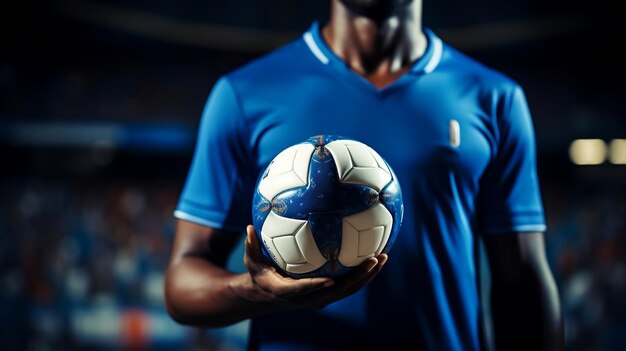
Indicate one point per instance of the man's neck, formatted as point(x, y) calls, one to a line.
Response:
point(379, 50)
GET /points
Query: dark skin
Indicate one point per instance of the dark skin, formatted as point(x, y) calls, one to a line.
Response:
point(525, 303)
point(201, 292)
point(379, 49)
point(378, 39)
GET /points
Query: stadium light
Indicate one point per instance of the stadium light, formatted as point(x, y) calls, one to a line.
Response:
point(617, 151)
point(588, 151)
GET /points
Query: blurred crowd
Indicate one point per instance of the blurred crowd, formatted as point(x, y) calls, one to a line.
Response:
point(80, 259)
point(82, 266)
point(134, 91)
point(586, 245)
point(82, 263)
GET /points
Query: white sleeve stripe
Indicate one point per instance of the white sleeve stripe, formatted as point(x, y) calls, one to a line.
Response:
point(310, 42)
point(520, 228)
point(436, 57)
point(197, 220)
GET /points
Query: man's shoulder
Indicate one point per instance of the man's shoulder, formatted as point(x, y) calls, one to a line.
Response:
point(279, 64)
point(474, 71)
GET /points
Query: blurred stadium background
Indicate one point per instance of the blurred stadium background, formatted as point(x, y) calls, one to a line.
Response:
point(100, 99)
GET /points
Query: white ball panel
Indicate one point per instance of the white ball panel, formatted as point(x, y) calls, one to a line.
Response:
point(379, 160)
point(276, 225)
point(288, 170)
point(349, 252)
point(357, 163)
point(369, 240)
point(384, 239)
point(270, 187)
point(283, 162)
point(308, 247)
point(288, 249)
point(291, 243)
point(342, 158)
point(302, 161)
point(300, 268)
point(374, 216)
point(361, 156)
point(370, 176)
point(269, 245)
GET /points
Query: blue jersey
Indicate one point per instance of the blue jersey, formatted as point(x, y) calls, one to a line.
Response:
point(460, 139)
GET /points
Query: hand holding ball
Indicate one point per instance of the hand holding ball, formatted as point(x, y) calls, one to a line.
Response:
point(325, 205)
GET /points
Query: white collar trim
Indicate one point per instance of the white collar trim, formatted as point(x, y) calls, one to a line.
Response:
point(430, 66)
point(310, 42)
point(436, 57)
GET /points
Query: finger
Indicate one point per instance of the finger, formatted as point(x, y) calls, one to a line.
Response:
point(253, 258)
point(349, 284)
point(274, 281)
point(357, 274)
point(344, 283)
point(288, 287)
point(382, 259)
point(285, 287)
point(252, 242)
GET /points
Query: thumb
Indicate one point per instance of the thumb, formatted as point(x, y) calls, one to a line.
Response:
point(252, 245)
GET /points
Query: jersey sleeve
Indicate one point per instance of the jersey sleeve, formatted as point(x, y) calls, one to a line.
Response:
point(218, 189)
point(510, 198)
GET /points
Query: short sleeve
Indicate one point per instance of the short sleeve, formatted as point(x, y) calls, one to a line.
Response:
point(510, 198)
point(218, 189)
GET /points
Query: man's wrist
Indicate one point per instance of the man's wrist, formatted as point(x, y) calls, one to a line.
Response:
point(251, 294)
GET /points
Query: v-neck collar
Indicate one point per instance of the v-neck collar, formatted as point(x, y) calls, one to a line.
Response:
point(423, 65)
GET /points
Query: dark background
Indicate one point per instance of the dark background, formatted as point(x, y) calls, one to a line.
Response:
point(100, 100)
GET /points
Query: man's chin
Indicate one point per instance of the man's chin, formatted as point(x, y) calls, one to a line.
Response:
point(376, 9)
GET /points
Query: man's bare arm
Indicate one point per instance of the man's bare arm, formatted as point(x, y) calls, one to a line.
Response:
point(524, 298)
point(200, 291)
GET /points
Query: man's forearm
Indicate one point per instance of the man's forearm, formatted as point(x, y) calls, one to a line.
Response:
point(201, 294)
point(526, 311)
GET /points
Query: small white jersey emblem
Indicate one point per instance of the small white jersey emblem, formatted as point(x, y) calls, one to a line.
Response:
point(455, 133)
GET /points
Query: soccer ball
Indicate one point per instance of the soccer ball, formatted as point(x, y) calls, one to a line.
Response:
point(325, 205)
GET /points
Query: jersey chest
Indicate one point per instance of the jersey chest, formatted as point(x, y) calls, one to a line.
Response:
point(418, 133)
